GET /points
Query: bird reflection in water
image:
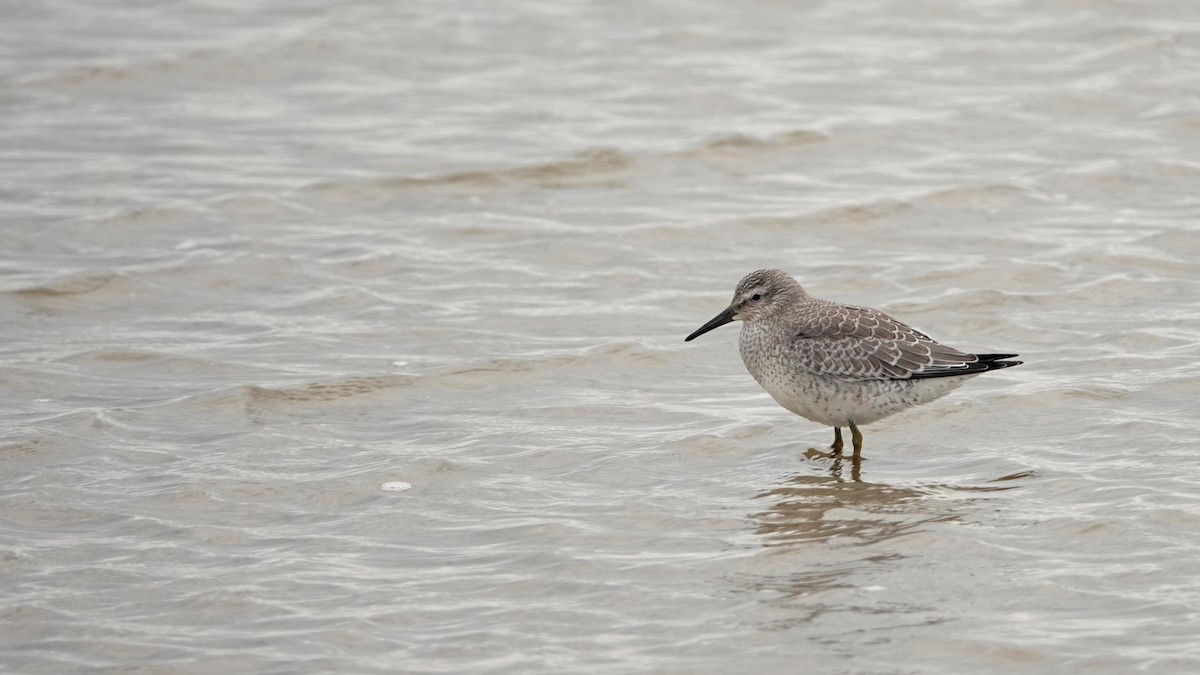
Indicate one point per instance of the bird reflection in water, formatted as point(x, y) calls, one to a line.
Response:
point(804, 506)
point(810, 507)
point(852, 524)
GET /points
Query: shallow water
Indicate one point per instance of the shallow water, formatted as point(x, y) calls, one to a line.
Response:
point(351, 339)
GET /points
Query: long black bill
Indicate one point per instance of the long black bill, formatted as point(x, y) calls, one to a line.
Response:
point(716, 322)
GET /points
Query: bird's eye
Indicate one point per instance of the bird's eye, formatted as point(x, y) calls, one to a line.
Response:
point(756, 296)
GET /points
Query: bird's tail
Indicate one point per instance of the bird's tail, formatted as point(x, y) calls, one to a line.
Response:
point(996, 361)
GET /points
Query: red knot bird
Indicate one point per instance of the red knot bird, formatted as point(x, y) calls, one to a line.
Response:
point(836, 364)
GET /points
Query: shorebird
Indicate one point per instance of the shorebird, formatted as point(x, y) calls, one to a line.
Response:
point(836, 364)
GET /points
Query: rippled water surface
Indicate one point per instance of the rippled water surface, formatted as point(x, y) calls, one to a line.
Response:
point(347, 337)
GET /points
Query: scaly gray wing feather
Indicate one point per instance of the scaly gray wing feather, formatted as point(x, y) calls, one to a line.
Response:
point(860, 343)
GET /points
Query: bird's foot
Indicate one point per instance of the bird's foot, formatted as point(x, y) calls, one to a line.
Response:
point(813, 453)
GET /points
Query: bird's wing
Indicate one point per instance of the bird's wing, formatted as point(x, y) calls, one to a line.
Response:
point(860, 343)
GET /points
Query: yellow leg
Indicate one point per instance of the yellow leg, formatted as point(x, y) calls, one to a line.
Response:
point(856, 436)
point(837, 441)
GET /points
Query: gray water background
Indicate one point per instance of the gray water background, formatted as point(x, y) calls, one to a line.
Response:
point(347, 337)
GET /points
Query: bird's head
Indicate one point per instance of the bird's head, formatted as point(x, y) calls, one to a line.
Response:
point(759, 294)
